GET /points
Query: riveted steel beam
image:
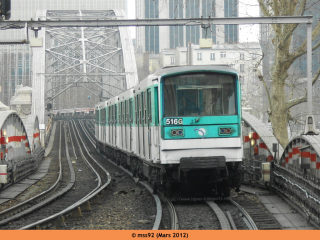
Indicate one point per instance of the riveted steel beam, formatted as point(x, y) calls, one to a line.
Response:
point(153, 22)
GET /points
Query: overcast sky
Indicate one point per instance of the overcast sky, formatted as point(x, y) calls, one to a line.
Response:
point(247, 8)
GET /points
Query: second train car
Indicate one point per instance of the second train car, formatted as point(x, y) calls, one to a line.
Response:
point(180, 128)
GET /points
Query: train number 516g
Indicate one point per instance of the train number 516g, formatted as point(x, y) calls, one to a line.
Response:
point(174, 121)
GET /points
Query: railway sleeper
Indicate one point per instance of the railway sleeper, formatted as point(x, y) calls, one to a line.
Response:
point(86, 207)
point(96, 200)
point(59, 222)
point(76, 213)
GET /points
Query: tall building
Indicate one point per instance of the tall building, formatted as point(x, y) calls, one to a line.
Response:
point(16, 60)
point(154, 39)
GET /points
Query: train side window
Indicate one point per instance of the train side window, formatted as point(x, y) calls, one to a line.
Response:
point(145, 108)
point(124, 113)
point(103, 116)
point(156, 107)
point(108, 115)
point(131, 110)
point(149, 106)
point(137, 109)
point(121, 114)
point(127, 112)
point(116, 106)
point(112, 115)
point(115, 115)
point(97, 117)
point(141, 108)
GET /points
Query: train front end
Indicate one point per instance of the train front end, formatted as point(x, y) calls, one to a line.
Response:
point(201, 143)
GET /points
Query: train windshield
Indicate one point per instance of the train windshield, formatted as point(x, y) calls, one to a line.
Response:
point(208, 94)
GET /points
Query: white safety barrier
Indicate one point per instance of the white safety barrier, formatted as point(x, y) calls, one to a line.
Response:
point(266, 171)
point(3, 174)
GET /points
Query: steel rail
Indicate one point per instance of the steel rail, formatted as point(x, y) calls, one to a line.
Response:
point(88, 135)
point(58, 219)
point(71, 139)
point(220, 215)
point(173, 213)
point(249, 221)
point(28, 206)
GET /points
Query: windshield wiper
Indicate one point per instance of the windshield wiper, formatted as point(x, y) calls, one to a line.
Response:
point(210, 105)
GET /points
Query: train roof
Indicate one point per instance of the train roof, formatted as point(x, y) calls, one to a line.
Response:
point(194, 68)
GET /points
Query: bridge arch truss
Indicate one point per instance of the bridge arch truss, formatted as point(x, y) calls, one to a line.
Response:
point(83, 65)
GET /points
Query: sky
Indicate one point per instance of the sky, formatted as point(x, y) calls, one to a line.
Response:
point(247, 8)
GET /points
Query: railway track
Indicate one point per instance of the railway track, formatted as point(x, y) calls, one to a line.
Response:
point(226, 220)
point(71, 204)
point(29, 205)
point(262, 218)
point(88, 132)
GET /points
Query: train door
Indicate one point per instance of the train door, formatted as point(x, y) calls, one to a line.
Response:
point(149, 122)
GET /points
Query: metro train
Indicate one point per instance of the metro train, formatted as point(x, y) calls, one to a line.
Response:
point(180, 128)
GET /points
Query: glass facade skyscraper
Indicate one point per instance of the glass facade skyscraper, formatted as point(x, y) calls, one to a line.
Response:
point(154, 39)
point(312, 9)
point(231, 31)
point(152, 33)
point(176, 32)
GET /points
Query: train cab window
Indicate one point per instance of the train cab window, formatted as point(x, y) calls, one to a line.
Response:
point(206, 94)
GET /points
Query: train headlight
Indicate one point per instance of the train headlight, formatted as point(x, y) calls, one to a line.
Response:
point(177, 132)
point(225, 131)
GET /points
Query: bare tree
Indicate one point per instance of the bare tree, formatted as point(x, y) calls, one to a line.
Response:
point(285, 55)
